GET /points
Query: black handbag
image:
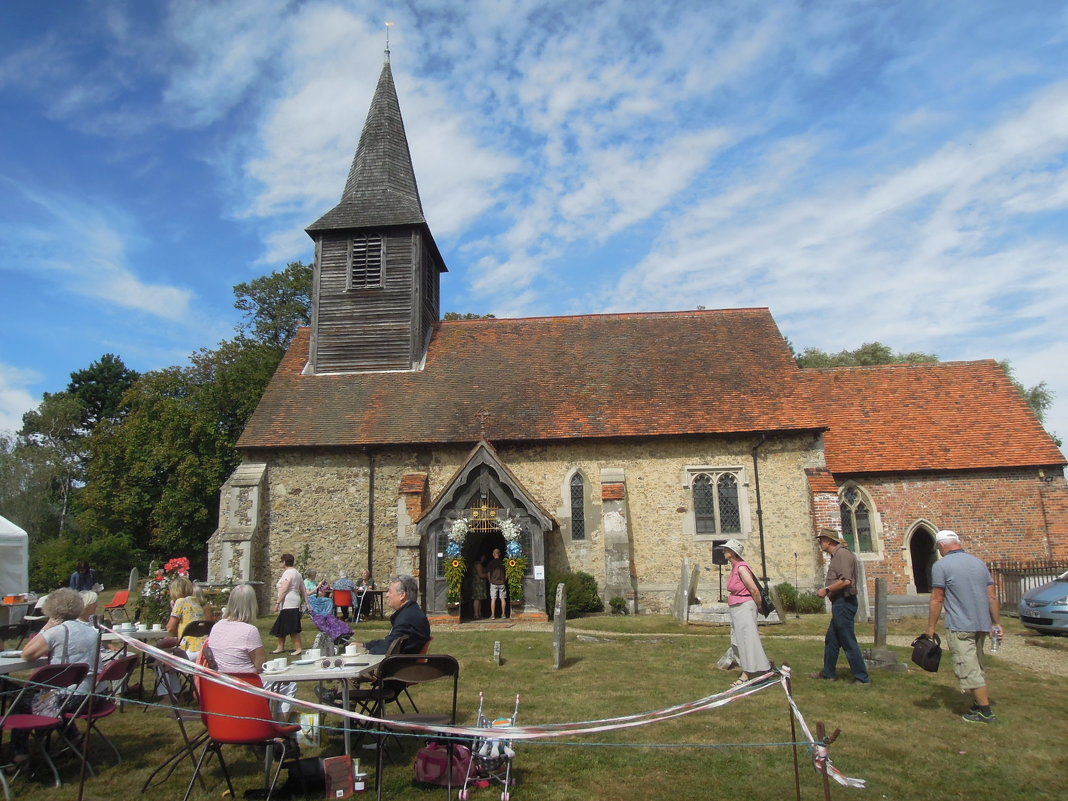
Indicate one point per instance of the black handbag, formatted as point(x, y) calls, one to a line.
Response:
point(927, 652)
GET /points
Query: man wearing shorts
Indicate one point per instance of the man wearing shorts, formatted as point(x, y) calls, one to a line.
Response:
point(962, 584)
point(498, 588)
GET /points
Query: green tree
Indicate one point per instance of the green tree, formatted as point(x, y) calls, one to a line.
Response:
point(100, 388)
point(867, 355)
point(154, 476)
point(53, 439)
point(276, 305)
point(467, 316)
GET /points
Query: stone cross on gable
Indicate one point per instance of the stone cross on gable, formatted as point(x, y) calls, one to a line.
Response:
point(482, 416)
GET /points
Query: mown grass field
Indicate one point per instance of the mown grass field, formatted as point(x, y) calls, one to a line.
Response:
point(903, 734)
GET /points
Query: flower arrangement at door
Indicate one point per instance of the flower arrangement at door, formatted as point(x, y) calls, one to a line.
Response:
point(155, 598)
point(455, 566)
point(515, 566)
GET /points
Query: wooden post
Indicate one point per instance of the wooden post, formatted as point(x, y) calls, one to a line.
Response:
point(881, 612)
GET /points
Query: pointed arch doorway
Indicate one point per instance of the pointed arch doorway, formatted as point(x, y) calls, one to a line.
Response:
point(484, 494)
point(922, 555)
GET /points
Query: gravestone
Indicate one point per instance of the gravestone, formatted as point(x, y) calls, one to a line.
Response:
point(497, 653)
point(559, 626)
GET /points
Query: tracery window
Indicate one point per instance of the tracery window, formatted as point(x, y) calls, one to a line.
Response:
point(716, 505)
point(856, 521)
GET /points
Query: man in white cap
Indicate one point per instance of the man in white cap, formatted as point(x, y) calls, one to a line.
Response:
point(962, 584)
point(841, 589)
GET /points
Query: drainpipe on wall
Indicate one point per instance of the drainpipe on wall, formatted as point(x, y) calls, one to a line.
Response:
point(760, 510)
point(371, 510)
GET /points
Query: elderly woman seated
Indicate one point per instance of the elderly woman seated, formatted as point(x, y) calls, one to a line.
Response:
point(64, 639)
point(236, 646)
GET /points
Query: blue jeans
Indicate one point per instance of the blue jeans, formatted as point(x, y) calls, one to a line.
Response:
point(841, 636)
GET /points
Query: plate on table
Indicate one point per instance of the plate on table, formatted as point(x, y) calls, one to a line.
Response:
point(305, 661)
point(279, 670)
point(11, 654)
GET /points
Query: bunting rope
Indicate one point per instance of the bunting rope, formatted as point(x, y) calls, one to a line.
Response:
point(819, 750)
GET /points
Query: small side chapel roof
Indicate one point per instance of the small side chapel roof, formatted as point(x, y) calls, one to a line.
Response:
point(549, 378)
point(917, 417)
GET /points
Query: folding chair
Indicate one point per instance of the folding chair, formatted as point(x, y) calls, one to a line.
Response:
point(236, 717)
point(14, 631)
point(40, 727)
point(118, 604)
point(414, 669)
point(111, 681)
point(343, 598)
point(175, 683)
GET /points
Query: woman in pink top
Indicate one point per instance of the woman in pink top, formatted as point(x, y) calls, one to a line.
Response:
point(291, 594)
point(745, 637)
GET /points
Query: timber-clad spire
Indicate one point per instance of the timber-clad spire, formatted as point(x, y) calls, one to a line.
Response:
point(381, 189)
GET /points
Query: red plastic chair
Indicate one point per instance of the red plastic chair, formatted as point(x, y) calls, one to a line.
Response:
point(343, 598)
point(40, 727)
point(236, 717)
point(118, 604)
point(111, 681)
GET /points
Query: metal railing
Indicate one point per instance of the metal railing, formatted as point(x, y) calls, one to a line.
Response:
point(1013, 578)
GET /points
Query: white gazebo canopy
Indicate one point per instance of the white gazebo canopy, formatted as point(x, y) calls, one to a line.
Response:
point(14, 558)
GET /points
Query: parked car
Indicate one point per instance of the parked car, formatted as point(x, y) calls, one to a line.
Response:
point(1045, 608)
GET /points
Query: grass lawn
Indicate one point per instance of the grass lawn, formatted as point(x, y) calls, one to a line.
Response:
point(903, 734)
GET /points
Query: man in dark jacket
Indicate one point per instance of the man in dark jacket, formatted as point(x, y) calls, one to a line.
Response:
point(408, 618)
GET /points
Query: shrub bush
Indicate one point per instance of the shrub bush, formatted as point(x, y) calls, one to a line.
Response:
point(808, 603)
point(787, 596)
point(582, 595)
point(618, 604)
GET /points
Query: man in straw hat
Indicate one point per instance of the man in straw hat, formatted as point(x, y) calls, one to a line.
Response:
point(841, 589)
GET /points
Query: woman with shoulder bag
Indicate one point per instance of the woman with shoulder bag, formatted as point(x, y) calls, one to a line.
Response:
point(744, 594)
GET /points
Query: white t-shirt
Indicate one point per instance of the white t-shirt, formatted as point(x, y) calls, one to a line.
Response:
point(290, 581)
point(74, 641)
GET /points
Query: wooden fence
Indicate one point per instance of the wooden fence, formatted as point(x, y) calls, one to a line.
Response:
point(1014, 578)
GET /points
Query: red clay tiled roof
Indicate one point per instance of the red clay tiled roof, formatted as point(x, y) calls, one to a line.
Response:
point(613, 492)
point(941, 416)
point(616, 375)
point(821, 480)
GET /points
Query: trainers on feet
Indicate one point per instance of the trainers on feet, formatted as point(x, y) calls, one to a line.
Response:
point(976, 716)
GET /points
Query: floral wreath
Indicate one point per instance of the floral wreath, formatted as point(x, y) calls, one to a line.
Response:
point(456, 568)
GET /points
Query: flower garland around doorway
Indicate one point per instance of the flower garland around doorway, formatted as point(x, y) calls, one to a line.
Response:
point(456, 567)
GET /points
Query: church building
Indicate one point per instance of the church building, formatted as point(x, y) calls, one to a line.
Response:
point(615, 444)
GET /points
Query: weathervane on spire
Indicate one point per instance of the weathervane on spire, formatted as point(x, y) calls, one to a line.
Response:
point(388, 26)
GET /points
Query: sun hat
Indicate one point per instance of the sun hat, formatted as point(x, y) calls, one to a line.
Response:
point(731, 545)
point(945, 535)
point(830, 534)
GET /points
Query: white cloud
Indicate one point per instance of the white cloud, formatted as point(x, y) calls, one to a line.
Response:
point(15, 399)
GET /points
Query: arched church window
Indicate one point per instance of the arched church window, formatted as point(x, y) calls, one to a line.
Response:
point(720, 509)
point(578, 507)
point(856, 521)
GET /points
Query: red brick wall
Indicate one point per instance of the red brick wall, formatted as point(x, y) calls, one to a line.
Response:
point(1004, 514)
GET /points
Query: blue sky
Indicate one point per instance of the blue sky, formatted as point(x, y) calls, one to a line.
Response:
point(893, 171)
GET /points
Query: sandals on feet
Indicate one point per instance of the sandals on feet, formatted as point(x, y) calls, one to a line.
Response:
point(738, 682)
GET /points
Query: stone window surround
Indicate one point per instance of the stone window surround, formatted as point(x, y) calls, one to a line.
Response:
point(564, 518)
point(689, 473)
point(874, 519)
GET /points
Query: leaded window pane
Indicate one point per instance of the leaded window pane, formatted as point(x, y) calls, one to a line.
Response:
point(443, 544)
point(863, 527)
point(847, 527)
point(578, 510)
point(730, 519)
point(704, 505)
